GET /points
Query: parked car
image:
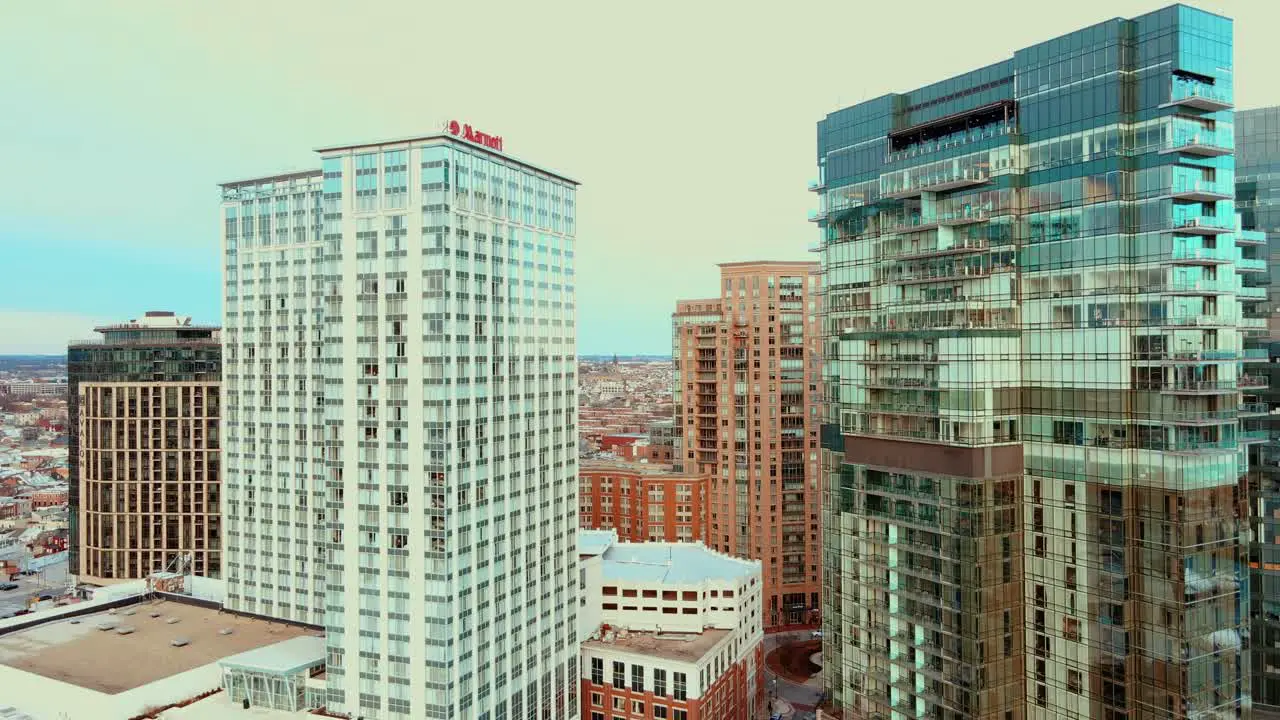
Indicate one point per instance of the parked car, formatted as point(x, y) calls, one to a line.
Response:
point(27, 572)
point(9, 586)
point(46, 596)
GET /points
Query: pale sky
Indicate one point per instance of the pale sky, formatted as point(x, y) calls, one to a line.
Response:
point(690, 124)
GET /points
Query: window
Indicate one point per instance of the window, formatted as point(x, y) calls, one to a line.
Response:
point(678, 714)
point(637, 678)
point(619, 675)
point(659, 684)
point(597, 671)
point(660, 712)
point(637, 707)
point(679, 689)
point(597, 716)
point(1073, 681)
point(597, 699)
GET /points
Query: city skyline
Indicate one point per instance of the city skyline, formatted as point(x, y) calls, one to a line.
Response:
point(207, 113)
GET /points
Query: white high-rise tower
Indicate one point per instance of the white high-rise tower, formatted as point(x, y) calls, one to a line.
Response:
point(444, 297)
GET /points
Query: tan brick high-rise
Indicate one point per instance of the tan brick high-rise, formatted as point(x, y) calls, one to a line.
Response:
point(145, 485)
point(747, 392)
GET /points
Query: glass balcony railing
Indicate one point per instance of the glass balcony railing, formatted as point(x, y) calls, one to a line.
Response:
point(1252, 381)
point(1252, 323)
point(1200, 190)
point(1255, 435)
point(1252, 293)
point(1198, 95)
point(817, 215)
point(1202, 254)
point(1251, 265)
point(1198, 444)
point(906, 185)
point(1200, 224)
point(1254, 408)
point(1255, 355)
point(816, 186)
point(1251, 237)
point(1193, 138)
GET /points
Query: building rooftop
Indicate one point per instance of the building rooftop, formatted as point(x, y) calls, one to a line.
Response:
point(675, 563)
point(595, 542)
point(681, 647)
point(283, 658)
point(657, 469)
point(446, 137)
point(83, 655)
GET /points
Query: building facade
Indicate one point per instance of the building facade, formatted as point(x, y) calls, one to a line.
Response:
point(747, 390)
point(1034, 372)
point(274, 304)
point(434, 276)
point(676, 634)
point(1257, 183)
point(145, 486)
point(642, 502)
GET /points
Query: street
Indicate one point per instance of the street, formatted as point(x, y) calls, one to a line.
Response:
point(52, 578)
point(803, 698)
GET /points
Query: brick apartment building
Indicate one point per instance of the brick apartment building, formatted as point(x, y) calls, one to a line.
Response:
point(670, 631)
point(642, 502)
point(747, 392)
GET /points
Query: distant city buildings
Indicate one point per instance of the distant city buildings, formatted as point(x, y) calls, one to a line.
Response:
point(641, 501)
point(669, 630)
point(1035, 460)
point(145, 450)
point(747, 395)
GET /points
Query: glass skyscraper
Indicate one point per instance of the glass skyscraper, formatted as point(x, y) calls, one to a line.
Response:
point(402, 413)
point(1258, 201)
point(1034, 370)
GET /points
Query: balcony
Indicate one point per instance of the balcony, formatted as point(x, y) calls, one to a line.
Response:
point(1254, 355)
point(1199, 287)
point(817, 215)
point(1252, 265)
point(910, 383)
point(1197, 95)
point(1251, 237)
point(1196, 321)
point(1252, 382)
point(896, 187)
point(1252, 323)
point(931, 358)
point(1252, 293)
point(1200, 225)
point(928, 275)
point(1254, 409)
point(1198, 387)
point(1254, 436)
point(817, 186)
point(1200, 191)
point(1182, 255)
point(966, 246)
point(1206, 143)
point(1198, 445)
point(897, 409)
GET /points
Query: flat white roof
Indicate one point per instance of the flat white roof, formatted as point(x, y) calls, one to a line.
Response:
point(283, 658)
point(676, 563)
point(595, 542)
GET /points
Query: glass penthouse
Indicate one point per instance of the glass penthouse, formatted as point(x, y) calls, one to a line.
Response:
point(1034, 371)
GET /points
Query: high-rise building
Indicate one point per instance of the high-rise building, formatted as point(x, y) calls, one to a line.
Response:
point(274, 304)
point(413, 486)
point(1257, 182)
point(144, 450)
point(1033, 372)
point(746, 388)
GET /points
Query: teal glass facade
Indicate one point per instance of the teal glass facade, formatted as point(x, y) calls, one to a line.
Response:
point(1034, 373)
point(1258, 201)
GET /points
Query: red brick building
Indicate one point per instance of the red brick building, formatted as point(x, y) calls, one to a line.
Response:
point(47, 498)
point(642, 502)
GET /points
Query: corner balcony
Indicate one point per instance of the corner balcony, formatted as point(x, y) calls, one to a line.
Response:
point(1207, 144)
point(1248, 437)
point(1251, 265)
point(1199, 96)
point(1251, 237)
point(1180, 321)
point(956, 272)
point(1249, 293)
point(1200, 225)
point(1252, 382)
point(1200, 256)
point(1200, 191)
point(817, 186)
point(1197, 387)
point(939, 182)
point(1255, 355)
point(817, 216)
point(1254, 409)
point(961, 248)
point(1199, 287)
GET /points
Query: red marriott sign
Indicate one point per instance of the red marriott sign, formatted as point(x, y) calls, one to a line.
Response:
point(470, 134)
